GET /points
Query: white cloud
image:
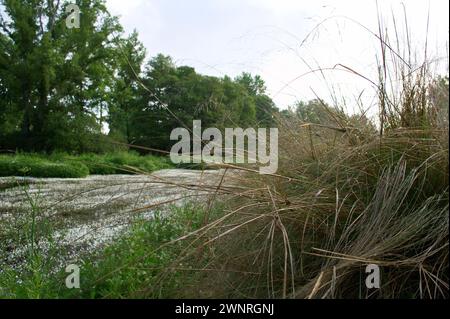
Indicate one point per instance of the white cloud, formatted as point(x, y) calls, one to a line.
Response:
point(121, 7)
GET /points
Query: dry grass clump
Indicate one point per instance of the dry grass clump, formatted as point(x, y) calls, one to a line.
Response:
point(346, 195)
point(336, 209)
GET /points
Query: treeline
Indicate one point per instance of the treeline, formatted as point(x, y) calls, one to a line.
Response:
point(85, 89)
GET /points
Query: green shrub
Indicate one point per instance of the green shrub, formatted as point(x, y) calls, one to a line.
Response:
point(123, 163)
point(36, 166)
point(5, 167)
point(64, 165)
point(97, 164)
point(62, 170)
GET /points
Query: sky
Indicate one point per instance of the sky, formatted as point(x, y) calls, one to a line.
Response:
point(283, 40)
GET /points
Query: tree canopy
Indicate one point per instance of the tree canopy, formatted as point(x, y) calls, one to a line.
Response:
point(61, 87)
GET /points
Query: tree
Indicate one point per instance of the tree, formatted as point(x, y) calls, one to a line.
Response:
point(125, 101)
point(265, 111)
point(173, 96)
point(254, 84)
point(264, 106)
point(56, 78)
point(58, 86)
point(314, 111)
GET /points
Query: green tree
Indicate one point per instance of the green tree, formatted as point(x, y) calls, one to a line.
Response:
point(59, 86)
point(254, 84)
point(265, 108)
point(314, 111)
point(56, 78)
point(125, 100)
point(174, 96)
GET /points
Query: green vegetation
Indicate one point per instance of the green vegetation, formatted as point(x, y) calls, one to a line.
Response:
point(71, 166)
point(346, 195)
point(145, 263)
point(60, 87)
point(39, 166)
point(120, 163)
point(134, 266)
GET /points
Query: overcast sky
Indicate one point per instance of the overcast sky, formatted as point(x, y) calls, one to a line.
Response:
point(265, 37)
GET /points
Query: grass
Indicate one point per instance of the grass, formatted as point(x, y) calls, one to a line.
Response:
point(38, 166)
point(137, 265)
point(31, 278)
point(134, 266)
point(338, 204)
point(76, 166)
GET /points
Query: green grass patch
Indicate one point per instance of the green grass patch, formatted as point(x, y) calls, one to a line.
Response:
point(76, 166)
point(138, 266)
point(141, 264)
point(123, 163)
point(38, 166)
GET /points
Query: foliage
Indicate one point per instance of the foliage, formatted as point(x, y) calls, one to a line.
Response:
point(62, 89)
point(36, 166)
point(70, 166)
point(54, 80)
point(131, 267)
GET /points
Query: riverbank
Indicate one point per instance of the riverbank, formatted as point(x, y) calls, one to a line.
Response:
point(70, 220)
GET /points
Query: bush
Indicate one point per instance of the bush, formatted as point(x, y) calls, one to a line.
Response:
point(36, 166)
point(123, 163)
point(62, 170)
point(97, 164)
point(64, 165)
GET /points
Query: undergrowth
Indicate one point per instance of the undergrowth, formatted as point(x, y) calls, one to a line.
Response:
point(63, 165)
point(133, 266)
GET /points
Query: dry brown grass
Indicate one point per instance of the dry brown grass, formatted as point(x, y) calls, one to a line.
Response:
point(345, 196)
